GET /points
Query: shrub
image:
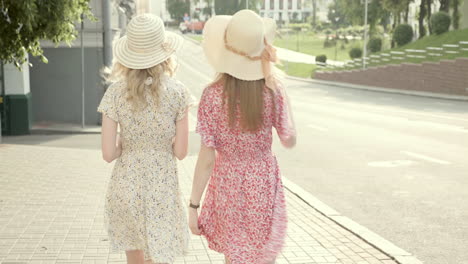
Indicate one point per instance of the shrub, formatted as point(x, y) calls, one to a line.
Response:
point(375, 44)
point(403, 34)
point(355, 53)
point(440, 22)
point(321, 58)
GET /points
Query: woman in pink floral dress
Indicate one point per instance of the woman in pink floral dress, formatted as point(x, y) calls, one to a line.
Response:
point(243, 214)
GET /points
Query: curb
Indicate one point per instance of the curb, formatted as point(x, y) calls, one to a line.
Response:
point(62, 132)
point(189, 38)
point(386, 247)
point(380, 89)
point(365, 87)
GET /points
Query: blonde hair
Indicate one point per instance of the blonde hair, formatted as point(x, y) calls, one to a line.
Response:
point(135, 81)
point(245, 97)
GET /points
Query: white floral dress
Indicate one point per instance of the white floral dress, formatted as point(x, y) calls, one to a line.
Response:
point(143, 207)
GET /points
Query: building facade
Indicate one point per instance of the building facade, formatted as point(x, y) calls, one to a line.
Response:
point(56, 86)
point(285, 10)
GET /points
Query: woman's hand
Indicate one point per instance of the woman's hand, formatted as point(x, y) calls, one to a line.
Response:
point(193, 221)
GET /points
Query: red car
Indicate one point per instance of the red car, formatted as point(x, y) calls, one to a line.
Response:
point(192, 26)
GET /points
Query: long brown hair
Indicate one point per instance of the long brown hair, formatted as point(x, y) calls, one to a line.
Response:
point(135, 80)
point(244, 100)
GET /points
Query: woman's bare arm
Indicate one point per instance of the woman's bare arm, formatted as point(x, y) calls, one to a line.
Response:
point(203, 170)
point(180, 146)
point(110, 144)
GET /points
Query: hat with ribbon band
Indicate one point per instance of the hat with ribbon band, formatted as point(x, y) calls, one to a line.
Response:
point(241, 45)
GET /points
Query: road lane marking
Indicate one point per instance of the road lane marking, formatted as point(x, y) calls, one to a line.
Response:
point(360, 108)
point(391, 163)
point(426, 158)
point(199, 73)
point(441, 126)
point(444, 103)
point(393, 119)
point(386, 98)
point(323, 129)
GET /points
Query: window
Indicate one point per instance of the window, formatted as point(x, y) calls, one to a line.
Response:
point(272, 4)
point(281, 4)
point(299, 4)
point(289, 4)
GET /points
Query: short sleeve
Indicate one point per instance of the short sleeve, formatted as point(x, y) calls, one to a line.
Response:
point(185, 100)
point(206, 124)
point(108, 103)
point(283, 119)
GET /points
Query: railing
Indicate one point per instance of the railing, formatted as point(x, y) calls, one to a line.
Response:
point(449, 51)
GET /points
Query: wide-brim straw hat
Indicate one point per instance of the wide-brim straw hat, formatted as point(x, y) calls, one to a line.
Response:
point(146, 44)
point(233, 44)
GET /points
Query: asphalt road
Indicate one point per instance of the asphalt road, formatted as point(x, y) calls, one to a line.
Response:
point(397, 164)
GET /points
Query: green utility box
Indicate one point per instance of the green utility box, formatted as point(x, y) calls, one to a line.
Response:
point(17, 114)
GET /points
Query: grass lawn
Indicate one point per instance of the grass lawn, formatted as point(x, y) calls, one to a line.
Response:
point(451, 37)
point(197, 37)
point(311, 44)
point(298, 69)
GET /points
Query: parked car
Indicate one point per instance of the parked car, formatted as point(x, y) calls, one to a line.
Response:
point(191, 26)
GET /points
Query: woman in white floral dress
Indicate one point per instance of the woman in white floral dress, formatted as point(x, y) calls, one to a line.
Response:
point(143, 210)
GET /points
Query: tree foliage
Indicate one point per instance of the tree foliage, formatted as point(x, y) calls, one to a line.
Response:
point(128, 7)
point(178, 8)
point(444, 5)
point(351, 12)
point(24, 23)
point(456, 13)
point(224, 7)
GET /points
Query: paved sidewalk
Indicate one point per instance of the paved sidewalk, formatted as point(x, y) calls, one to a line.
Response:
point(51, 206)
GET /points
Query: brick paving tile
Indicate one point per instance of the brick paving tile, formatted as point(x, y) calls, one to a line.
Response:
point(51, 212)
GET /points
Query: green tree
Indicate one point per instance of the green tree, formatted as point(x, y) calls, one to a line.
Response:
point(128, 7)
point(178, 8)
point(352, 12)
point(444, 5)
point(396, 7)
point(229, 7)
point(23, 24)
point(456, 13)
point(422, 15)
point(429, 13)
point(337, 14)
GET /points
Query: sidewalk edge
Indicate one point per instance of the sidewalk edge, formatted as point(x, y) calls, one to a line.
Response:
point(36, 131)
point(366, 87)
point(380, 89)
point(386, 247)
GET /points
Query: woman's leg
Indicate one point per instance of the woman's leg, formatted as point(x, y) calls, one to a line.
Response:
point(135, 257)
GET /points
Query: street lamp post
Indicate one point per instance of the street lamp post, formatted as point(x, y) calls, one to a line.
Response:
point(364, 51)
point(246, 4)
point(336, 37)
point(82, 73)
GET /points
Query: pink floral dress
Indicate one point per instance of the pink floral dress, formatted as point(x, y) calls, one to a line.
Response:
point(243, 214)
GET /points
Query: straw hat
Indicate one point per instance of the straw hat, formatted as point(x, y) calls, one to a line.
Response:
point(235, 44)
point(146, 43)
